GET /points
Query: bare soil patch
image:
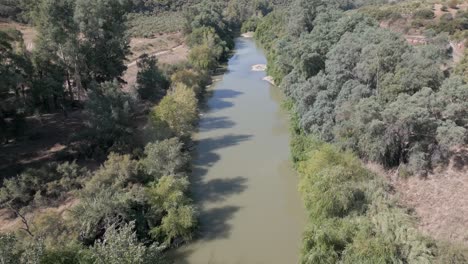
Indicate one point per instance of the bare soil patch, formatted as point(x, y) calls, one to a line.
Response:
point(168, 48)
point(440, 200)
point(10, 223)
point(29, 33)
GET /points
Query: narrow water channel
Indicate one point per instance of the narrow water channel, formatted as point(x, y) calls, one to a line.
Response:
point(243, 183)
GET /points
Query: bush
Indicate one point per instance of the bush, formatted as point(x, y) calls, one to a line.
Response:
point(250, 25)
point(34, 185)
point(116, 173)
point(179, 217)
point(195, 80)
point(165, 158)
point(120, 245)
point(424, 13)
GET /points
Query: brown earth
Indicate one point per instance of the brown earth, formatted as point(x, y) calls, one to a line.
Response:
point(169, 48)
point(9, 222)
point(29, 33)
point(439, 201)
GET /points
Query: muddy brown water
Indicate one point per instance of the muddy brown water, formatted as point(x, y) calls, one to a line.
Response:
point(243, 183)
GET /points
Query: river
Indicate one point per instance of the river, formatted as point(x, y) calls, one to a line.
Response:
point(243, 182)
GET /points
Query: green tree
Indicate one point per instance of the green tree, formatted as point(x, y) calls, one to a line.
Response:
point(151, 83)
point(110, 112)
point(168, 197)
point(176, 111)
point(103, 39)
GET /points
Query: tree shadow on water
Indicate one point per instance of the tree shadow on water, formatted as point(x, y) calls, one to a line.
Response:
point(216, 99)
point(206, 148)
point(218, 190)
point(213, 123)
point(214, 223)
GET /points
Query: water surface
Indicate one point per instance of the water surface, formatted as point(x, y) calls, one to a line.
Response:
point(243, 183)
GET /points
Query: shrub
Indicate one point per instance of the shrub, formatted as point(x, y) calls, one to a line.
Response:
point(51, 181)
point(165, 158)
point(195, 80)
point(8, 251)
point(120, 245)
point(250, 25)
point(116, 172)
point(168, 194)
point(424, 13)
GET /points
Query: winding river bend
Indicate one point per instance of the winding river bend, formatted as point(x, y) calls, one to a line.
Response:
point(243, 183)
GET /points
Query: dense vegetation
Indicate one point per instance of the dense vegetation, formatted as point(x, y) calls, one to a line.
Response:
point(136, 204)
point(369, 94)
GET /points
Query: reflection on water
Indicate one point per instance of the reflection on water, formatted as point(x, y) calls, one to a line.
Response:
point(243, 184)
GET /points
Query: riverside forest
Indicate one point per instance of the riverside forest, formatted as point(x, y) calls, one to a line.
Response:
point(233, 131)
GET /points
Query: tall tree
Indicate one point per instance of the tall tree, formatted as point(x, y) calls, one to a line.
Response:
point(103, 39)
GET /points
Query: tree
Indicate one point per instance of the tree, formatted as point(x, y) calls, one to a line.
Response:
point(167, 197)
point(151, 83)
point(103, 41)
point(110, 111)
point(194, 80)
point(57, 41)
point(177, 111)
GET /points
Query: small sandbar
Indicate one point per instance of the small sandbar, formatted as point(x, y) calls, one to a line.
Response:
point(269, 79)
point(259, 67)
point(249, 34)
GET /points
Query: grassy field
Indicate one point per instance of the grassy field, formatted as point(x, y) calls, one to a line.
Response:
point(150, 25)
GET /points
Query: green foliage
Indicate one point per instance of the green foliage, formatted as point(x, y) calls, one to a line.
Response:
point(176, 111)
point(352, 220)
point(120, 245)
point(364, 87)
point(168, 195)
point(195, 80)
point(8, 251)
point(104, 42)
point(36, 186)
point(151, 83)
point(203, 57)
point(424, 13)
point(366, 90)
point(165, 158)
point(238, 11)
point(110, 113)
point(462, 67)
